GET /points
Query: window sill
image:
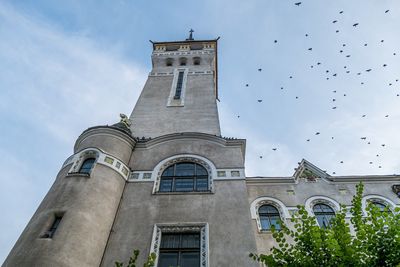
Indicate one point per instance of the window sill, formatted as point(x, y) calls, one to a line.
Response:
point(184, 193)
point(78, 174)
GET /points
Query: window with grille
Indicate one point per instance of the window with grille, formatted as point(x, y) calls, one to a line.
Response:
point(269, 217)
point(179, 249)
point(179, 84)
point(324, 214)
point(184, 177)
point(87, 165)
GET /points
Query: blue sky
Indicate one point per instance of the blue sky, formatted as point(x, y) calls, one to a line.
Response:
point(66, 66)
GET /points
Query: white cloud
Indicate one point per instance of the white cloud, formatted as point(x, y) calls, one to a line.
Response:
point(53, 85)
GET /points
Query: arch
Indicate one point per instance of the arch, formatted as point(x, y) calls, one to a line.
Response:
point(312, 201)
point(182, 61)
point(196, 61)
point(378, 199)
point(265, 201)
point(169, 62)
point(204, 162)
point(82, 156)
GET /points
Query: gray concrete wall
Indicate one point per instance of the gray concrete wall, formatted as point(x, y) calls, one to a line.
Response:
point(226, 211)
point(89, 205)
point(152, 117)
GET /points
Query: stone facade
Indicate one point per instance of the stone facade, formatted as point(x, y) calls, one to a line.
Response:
point(119, 205)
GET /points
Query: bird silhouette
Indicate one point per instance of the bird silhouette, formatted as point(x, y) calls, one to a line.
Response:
point(310, 49)
point(334, 107)
point(368, 70)
point(355, 24)
point(387, 11)
point(247, 85)
point(298, 3)
point(275, 41)
point(363, 138)
point(317, 133)
point(341, 12)
point(347, 55)
point(384, 65)
point(259, 100)
point(334, 21)
point(274, 149)
point(259, 69)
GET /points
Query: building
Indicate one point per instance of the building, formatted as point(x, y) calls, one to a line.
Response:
point(165, 181)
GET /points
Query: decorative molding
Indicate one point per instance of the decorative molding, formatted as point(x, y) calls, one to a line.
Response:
point(183, 53)
point(312, 201)
point(101, 158)
point(201, 228)
point(377, 198)
point(207, 164)
point(257, 203)
point(172, 102)
point(230, 174)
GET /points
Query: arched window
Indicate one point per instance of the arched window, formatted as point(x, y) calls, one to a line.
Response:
point(87, 165)
point(184, 177)
point(269, 216)
point(182, 61)
point(169, 62)
point(324, 214)
point(382, 207)
point(196, 61)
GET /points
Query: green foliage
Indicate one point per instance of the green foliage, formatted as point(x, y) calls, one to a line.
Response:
point(132, 260)
point(374, 241)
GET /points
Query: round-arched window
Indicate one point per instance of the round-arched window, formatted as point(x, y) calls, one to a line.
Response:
point(269, 216)
point(324, 214)
point(184, 177)
point(382, 207)
point(87, 165)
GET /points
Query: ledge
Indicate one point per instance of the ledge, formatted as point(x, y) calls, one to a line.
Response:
point(184, 193)
point(78, 174)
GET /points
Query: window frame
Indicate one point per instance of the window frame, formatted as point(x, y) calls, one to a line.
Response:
point(180, 249)
point(268, 216)
point(174, 178)
point(324, 215)
point(89, 170)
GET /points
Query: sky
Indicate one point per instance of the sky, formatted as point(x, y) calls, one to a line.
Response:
point(323, 85)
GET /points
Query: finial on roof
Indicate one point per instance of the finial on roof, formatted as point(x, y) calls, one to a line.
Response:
point(190, 35)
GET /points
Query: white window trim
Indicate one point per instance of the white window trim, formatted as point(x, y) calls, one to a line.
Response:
point(201, 228)
point(178, 102)
point(312, 201)
point(207, 164)
point(377, 198)
point(257, 203)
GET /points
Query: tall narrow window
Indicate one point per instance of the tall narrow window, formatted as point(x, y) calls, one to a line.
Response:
point(87, 165)
point(179, 83)
point(179, 249)
point(324, 214)
point(269, 217)
point(53, 228)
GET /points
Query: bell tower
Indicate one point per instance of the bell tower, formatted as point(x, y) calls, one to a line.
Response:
point(181, 91)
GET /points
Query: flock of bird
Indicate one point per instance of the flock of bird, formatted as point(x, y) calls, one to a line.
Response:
point(329, 74)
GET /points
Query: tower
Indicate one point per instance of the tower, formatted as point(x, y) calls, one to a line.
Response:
point(162, 181)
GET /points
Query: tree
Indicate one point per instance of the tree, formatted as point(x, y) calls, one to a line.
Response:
point(374, 240)
point(132, 260)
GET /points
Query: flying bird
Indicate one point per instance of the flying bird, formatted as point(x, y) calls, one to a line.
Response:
point(259, 100)
point(319, 63)
point(341, 161)
point(363, 138)
point(355, 24)
point(363, 116)
point(260, 157)
point(386, 116)
point(368, 70)
point(259, 69)
point(317, 133)
point(308, 140)
point(384, 65)
point(310, 49)
point(275, 41)
point(341, 12)
point(334, 21)
point(298, 3)
point(334, 107)
point(347, 55)
point(337, 31)
point(382, 41)
point(274, 149)
point(365, 44)
point(383, 145)
point(387, 11)
point(247, 85)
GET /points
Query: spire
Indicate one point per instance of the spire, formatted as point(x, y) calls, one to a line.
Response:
point(190, 35)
